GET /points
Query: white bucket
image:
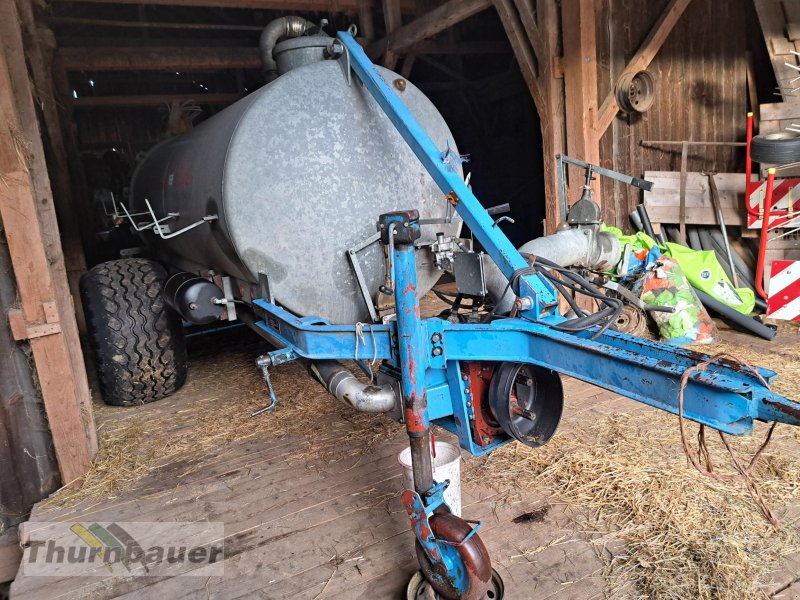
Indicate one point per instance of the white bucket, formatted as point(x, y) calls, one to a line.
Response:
point(446, 465)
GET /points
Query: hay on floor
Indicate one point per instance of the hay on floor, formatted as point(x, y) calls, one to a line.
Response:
point(684, 535)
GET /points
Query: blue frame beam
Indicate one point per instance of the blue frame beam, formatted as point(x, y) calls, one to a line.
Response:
point(497, 245)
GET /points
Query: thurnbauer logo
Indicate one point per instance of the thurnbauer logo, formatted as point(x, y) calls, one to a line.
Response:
point(115, 548)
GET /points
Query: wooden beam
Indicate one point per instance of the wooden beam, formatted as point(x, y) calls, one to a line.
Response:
point(774, 22)
point(464, 47)
point(393, 20)
point(522, 49)
point(578, 19)
point(440, 18)
point(552, 119)
point(324, 6)
point(366, 21)
point(152, 100)
point(528, 20)
point(643, 57)
point(536, 59)
point(40, 46)
point(159, 59)
point(106, 23)
point(26, 209)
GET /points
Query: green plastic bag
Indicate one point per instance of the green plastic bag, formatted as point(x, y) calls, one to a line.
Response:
point(635, 249)
point(638, 241)
point(704, 272)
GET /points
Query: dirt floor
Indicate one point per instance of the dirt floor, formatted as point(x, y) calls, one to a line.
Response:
point(309, 495)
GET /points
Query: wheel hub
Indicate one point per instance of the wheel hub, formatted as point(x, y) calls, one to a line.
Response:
point(420, 589)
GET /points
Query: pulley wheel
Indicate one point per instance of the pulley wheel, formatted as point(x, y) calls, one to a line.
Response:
point(527, 401)
point(632, 320)
point(420, 589)
point(635, 92)
point(472, 555)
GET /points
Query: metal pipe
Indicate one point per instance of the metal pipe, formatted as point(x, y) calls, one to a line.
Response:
point(636, 220)
point(712, 184)
point(364, 397)
point(285, 27)
point(582, 247)
point(646, 224)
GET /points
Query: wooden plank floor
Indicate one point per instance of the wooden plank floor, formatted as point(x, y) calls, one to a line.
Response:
point(300, 526)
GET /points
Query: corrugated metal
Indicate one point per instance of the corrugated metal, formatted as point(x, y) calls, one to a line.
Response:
point(700, 74)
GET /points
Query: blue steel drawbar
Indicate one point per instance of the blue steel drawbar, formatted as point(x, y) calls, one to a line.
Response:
point(440, 366)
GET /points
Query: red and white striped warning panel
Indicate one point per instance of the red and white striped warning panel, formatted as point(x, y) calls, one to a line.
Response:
point(784, 290)
point(785, 198)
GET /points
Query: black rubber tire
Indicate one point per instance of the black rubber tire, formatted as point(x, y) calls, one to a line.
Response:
point(775, 148)
point(136, 338)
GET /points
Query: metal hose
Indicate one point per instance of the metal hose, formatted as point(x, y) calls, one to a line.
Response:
point(340, 382)
point(285, 27)
point(569, 248)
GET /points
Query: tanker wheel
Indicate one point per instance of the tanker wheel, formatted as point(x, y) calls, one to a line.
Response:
point(136, 338)
point(472, 566)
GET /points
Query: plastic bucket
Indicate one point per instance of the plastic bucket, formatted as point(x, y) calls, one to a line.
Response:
point(446, 465)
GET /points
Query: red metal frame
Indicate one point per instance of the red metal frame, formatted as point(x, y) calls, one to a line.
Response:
point(762, 244)
point(766, 212)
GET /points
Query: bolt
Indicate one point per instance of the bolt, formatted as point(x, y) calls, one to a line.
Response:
point(400, 84)
point(469, 404)
point(485, 439)
point(436, 337)
point(193, 306)
point(465, 377)
point(437, 351)
point(467, 391)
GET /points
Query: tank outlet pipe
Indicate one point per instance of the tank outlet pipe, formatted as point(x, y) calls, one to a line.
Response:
point(577, 247)
point(285, 27)
point(340, 382)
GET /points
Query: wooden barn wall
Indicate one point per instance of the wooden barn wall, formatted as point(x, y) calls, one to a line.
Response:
point(700, 75)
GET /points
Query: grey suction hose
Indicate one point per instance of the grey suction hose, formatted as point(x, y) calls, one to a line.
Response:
point(285, 27)
point(569, 248)
point(340, 382)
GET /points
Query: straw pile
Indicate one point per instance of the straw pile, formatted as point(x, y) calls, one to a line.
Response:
point(684, 535)
point(134, 441)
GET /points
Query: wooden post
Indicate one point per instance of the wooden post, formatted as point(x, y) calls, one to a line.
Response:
point(46, 317)
point(580, 86)
point(40, 44)
point(393, 18)
point(536, 46)
point(366, 21)
point(440, 18)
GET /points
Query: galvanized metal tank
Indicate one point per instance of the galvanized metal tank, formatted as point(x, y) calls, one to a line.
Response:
point(297, 173)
